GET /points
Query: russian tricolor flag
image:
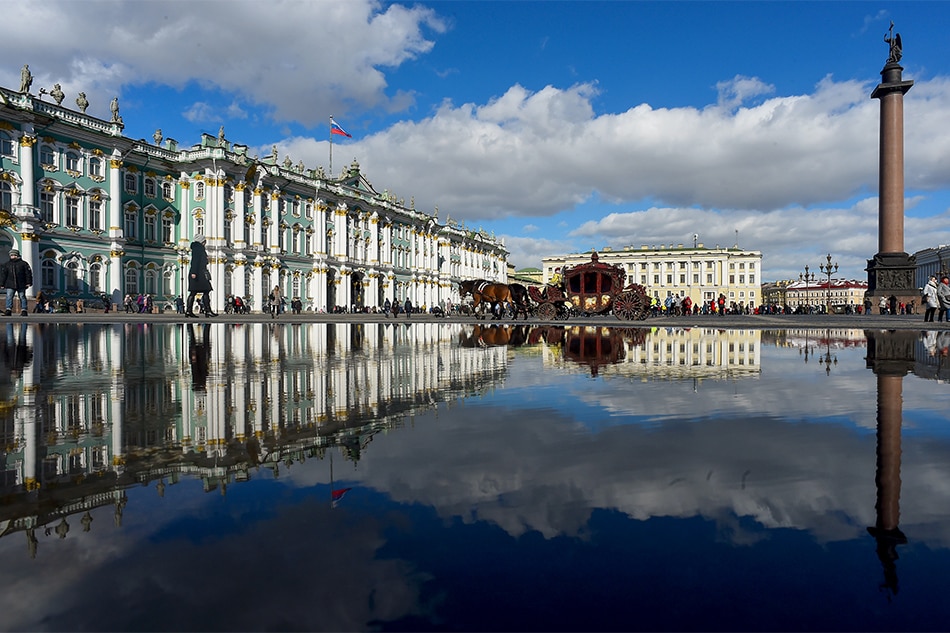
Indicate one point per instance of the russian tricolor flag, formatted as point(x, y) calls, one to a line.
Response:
point(336, 129)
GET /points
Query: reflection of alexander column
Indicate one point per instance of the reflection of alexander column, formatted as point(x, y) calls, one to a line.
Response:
point(891, 357)
point(891, 272)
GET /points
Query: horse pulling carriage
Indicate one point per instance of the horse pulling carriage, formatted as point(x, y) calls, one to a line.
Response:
point(591, 288)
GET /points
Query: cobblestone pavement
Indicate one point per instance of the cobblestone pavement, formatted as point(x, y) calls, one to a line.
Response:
point(763, 322)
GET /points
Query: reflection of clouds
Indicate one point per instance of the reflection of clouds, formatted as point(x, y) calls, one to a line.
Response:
point(533, 469)
point(298, 565)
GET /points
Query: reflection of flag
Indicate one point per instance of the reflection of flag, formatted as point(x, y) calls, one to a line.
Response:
point(336, 129)
point(337, 495)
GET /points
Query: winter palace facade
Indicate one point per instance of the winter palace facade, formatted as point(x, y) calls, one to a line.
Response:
point(94, 212)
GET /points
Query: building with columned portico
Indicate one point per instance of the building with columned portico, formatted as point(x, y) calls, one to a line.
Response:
point(94, 212)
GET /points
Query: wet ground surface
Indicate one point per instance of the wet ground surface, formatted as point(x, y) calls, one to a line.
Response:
point(874, 321)
point(356, 474)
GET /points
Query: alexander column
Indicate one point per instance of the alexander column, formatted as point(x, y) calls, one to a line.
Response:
point(891, 272)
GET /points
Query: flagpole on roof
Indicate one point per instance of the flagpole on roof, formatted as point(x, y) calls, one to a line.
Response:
point(331, 146)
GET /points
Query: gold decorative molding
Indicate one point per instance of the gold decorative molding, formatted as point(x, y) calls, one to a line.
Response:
point(115, 163)
point(27, 141)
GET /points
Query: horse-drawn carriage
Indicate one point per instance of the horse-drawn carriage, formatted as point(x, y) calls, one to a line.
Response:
point(591, 288)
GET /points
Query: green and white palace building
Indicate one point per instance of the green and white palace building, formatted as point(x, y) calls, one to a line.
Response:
point(95, 212)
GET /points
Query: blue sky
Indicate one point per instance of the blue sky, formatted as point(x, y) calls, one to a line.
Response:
point(559, 126)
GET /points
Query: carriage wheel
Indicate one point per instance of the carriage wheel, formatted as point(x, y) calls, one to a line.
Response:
point(630, 305)
point(547, 311)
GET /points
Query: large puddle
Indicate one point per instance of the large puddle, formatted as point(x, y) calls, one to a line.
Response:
point(453, 477)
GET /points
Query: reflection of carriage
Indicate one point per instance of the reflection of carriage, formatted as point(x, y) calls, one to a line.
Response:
point(591, 288)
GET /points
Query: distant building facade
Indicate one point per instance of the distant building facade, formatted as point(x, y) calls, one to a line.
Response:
point(819, 293)
point(931, 261)
point(698, 272)
point(94, 212)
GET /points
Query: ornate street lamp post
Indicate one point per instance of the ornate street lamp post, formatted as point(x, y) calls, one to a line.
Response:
point(827, 269)
point(807, 278)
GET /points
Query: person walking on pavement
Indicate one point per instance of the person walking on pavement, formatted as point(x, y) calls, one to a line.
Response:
point(931, 303)
point(943, 297)
point(408, 307)
point(16, 277)
point(274, 302)
point(199, 279)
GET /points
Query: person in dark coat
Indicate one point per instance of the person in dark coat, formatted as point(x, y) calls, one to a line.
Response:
point(16, 276)
point(199, 279)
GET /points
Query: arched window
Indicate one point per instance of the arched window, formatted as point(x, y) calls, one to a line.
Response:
point(131, 184)
point(73, 162)
point(47, 156)
point(168, 282)
point(95, 168)
point(199, 226)
point(199, 190)
point(150, 187)
point(73, 276)
point(150, 279)
point(131, 281)
point(95, 277)
point(48, 268)
point(168, 191)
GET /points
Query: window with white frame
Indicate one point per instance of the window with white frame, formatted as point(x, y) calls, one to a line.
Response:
point(131, 184)
point(95, 214)
point(131, 221)
point(199, 226)
point(73, 163)
point(95, 277)
point(72, 210)
point(199, 190)
point(73, 274)
point(131, 281)
point(168, 282)
point(95, 167)
point(47, 156)
point(168, 191)
point(48, 274)
point(167, 229)
point(150, 282)
point(7, 146)
point(150, 227)
point(47, 206)
point(149, 187)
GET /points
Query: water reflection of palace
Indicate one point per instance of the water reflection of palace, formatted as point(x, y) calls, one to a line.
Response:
point(88, 410)
point(657, 353)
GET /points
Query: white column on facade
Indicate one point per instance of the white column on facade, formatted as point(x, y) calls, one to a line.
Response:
point(257, 292)
point(116, 234)
point(340, 236)
point(238, 228)
point(214, 231)
point(271, 243)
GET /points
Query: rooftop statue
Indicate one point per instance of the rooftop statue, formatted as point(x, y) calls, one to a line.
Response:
point(114, 106)
point(157, 137)
point(26, 79)
point(82, 102)
point(896, 48)
point(57, 94)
